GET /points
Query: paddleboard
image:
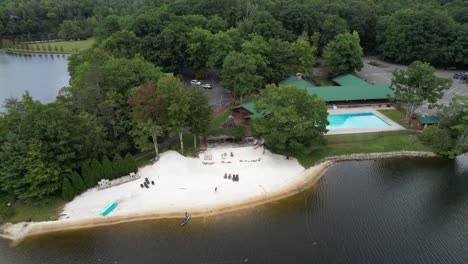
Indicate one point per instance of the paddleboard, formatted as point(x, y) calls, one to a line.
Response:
point(185, 220)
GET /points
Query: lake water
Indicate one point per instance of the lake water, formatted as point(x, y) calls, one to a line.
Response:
point(387, 211)
point(43, 76)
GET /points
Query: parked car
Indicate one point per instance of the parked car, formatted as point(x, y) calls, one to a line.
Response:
point(206, 86)
point(195, 82)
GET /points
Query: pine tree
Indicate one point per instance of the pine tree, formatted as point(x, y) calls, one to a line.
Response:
point(61, 48)
point(55, 48)
point(43, 48)
point(117, 166)
point(68, 193)
point(87, 174)
point(96, 170)
point(77, 182)
point(130, 164)
point(49, 47)
point(107, 169)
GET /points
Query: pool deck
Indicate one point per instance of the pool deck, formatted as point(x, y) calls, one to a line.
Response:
point(393, 125)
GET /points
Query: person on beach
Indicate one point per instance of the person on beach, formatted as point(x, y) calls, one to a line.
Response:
point(216, 189)
point(186, 213)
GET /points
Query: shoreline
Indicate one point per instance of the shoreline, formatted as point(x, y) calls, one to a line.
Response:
point(307, 178)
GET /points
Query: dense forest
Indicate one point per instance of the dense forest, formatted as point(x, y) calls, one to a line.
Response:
point(435, 31)
point(120, 102)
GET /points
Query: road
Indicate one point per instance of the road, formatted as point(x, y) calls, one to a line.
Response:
point(383, 75)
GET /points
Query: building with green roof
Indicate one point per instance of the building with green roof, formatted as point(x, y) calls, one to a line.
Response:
point(349, 88)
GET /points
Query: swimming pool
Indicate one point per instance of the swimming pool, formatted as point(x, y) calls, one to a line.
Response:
point(356, 120)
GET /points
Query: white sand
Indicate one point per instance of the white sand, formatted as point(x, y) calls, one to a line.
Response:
point(186, 184)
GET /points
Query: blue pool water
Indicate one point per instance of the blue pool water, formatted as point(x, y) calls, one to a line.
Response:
point(358, 120)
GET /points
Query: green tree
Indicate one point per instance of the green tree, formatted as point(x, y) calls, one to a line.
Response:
point(343, 54)
point(130, 163)
point(121, 44)
point(423, 34)
point(49, 47)
point(240, 74)
point(42, 177)
point(200, 114)
point(305, 54)
point(118, 166)
point(454, 119)
point(61, 48)
point(87, 174)
point(417, 85)
point(68, 193)
point(77, 182)
point(293, 119)
point(12, 154)
point(96, 170)
point(55, 48)
point(439, 139)
point(178, 105)
point(107, 172)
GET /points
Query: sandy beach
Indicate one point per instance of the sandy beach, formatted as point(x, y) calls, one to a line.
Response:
point(196, 185)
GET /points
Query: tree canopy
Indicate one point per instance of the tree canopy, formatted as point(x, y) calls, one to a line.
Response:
point(293, 120)
point(343, 54)
point(417, 85)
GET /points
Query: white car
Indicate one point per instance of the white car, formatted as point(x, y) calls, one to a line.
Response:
point(195, 82)
point(206, 86)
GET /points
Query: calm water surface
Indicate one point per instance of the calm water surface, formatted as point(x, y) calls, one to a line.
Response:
point(43, 76)
point(388, 211)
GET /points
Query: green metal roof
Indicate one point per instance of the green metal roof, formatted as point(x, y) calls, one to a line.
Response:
point(250, 106)
point(349, 80)
point(352, 89)
point(428, 120)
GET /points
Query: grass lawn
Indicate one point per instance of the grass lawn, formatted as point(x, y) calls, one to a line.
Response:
point(362, 143)
point(68, 46)
point(26, 212)
point(396, 116)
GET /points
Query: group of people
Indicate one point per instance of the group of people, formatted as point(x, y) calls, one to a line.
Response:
point(235, 177)
point(146, 183)
point(224, 155)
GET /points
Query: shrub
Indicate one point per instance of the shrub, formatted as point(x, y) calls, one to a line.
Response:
point(107, 169)
point(77, 183)
point(438, 139)
point(130, 164)
point(68, 193)
point(5, 210)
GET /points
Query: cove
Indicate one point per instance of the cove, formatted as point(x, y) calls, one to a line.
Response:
point(410, 210)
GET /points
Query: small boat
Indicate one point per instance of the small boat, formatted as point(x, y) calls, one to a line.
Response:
point(185, 220)
point(109, 208)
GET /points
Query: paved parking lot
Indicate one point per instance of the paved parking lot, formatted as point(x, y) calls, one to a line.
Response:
point(217, 95)
point(383, 75)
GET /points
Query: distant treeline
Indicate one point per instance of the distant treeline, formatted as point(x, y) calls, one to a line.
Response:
point(435, 31)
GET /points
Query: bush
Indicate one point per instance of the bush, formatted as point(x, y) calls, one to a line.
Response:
point(374, 63)
point(5, 210)
point(107, 169)
point(96, 170)
point(68, 193)
point(436, 138)
point(77, 183)
point(87, 174)
point(130, 164)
